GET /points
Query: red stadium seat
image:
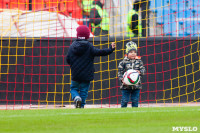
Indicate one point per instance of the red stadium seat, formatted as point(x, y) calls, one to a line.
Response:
point(13, 4)
point(66, 6)
point(41, 4)
point(23, 4)
point(78, 15)
point(54, 3)
point(71, 8)
point(37, 5)
point(76, 12)
point(62, 7)
point(44, 4)
point(5, 4)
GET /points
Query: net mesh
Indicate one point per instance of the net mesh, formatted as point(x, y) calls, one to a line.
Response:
point(36, 35)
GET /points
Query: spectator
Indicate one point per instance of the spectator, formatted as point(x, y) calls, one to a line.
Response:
point(85, 5)
point(99, 18)
point(30, 5)
point(134, 27)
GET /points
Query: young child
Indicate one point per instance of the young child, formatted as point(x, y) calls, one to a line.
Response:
point(131, 61)
point(80, 57)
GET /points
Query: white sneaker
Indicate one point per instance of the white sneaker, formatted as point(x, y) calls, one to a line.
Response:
point(77, 100)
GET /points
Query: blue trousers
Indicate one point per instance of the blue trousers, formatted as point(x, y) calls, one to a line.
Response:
point(80, 89)
point(134, 93)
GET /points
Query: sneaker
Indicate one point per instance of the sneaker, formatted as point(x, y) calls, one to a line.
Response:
point(77, 102)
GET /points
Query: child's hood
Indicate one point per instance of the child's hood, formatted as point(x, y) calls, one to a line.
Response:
point(80, 47)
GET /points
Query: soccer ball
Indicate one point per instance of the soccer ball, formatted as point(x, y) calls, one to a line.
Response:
point(131, 77)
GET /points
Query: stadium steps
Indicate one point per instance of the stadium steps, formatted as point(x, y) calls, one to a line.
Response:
point(7, 24)
point(36, 24)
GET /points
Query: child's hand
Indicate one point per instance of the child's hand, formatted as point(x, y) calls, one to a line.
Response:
point(123, 82)
point(113, 45)
point(138, 71)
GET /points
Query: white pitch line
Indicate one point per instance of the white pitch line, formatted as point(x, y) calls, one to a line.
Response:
point(91, 113)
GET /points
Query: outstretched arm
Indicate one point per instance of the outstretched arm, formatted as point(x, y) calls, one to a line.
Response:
point(103, 52)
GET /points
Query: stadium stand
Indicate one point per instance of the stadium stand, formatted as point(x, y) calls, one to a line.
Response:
point(35, 38)
point(177, 15)
point(17, 14)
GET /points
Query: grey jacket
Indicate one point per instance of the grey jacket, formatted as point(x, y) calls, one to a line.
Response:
point(127, 64)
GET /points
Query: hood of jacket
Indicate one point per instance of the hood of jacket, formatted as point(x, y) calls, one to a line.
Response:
point(136, 58)
point(126, 58)
point(79, 47)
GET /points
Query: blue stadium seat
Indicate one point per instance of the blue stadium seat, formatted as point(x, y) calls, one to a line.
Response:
point(179, 17)
point(196, 4)
point(181, 28)
point(166, 2)
point(174, 5)
point(196, 7)
point(181, 14)
point(181, 4)
point(189, 27)
point(197, 27)
point(159, 16)
point(159, 4)
point(166, 11)
point(173, 23)
point(188, 4)
point(156, 6)
point(193, 27)
point(152, 5)
point(181, 9)
point(189, 13)
point(169, 22)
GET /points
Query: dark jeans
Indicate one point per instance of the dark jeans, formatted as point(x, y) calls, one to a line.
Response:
point(80, 89)
point(134, 93)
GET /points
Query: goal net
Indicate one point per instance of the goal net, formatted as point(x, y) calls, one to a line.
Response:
point(36, 35)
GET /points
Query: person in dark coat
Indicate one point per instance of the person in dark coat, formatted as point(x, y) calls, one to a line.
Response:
point(80, 57)
point(99, 19)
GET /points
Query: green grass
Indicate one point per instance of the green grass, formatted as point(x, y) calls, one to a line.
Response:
point(128, 120)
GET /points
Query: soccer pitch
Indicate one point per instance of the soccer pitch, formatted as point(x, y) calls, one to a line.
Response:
point(104, 120)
